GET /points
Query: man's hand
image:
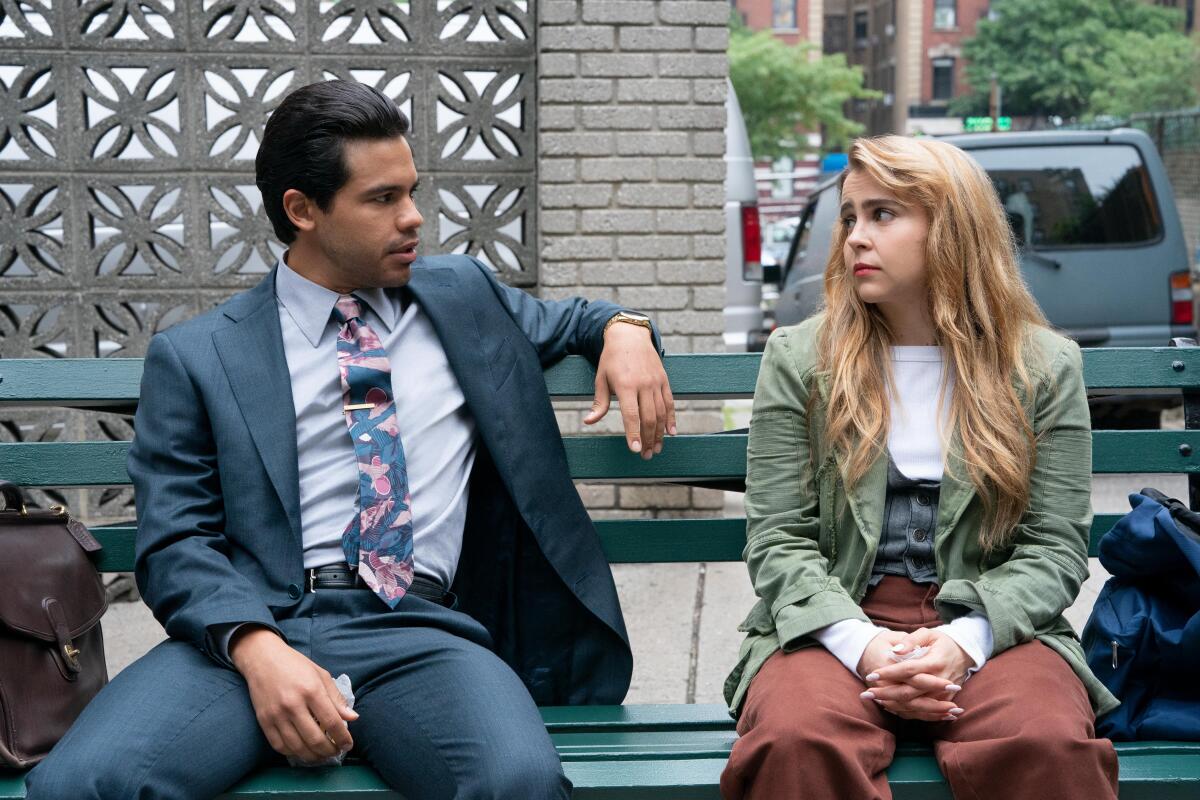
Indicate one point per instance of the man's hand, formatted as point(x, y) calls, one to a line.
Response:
point(922, 688)
point(296, 702)
point(631, 369)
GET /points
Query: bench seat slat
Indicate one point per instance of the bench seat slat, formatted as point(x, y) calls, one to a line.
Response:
point(595, 458)
point(1148, 770)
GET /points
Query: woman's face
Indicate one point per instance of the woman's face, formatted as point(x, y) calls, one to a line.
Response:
point(885, 243)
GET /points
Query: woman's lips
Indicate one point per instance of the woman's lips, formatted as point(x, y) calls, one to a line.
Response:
point(864, 269)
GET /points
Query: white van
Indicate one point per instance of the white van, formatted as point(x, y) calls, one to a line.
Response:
point(743, 237)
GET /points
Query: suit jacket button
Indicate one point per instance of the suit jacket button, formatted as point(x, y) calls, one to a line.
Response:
point(293, 591)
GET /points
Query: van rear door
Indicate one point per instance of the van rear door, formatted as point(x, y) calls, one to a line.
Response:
point(1100, 237)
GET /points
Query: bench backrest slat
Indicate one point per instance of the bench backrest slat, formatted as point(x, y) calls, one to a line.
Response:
point(101, 382)
point(114, 384)
point(625, 541)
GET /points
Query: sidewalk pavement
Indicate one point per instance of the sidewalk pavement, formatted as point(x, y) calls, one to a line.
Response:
point(682, 618)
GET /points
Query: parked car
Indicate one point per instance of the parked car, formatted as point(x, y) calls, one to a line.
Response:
point(1100, 241)
point(777, 239)
point(1101, 244)
point(743, 237)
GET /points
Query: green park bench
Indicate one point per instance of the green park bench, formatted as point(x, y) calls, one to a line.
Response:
point(631, 751)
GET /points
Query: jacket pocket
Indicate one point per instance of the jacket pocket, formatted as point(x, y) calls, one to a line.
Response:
point(829, 482)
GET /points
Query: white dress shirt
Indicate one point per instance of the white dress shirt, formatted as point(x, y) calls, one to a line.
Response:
point(917, 444)
point(436, 428)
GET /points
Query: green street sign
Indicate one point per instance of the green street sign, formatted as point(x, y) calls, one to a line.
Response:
point(984, 124)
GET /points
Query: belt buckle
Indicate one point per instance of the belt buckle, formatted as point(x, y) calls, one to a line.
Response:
point(312, 580)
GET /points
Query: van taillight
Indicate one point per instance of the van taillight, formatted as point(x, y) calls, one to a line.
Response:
point(1181, 298)
point(751, 243)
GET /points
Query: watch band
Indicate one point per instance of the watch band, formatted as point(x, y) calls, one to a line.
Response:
point(621, 316)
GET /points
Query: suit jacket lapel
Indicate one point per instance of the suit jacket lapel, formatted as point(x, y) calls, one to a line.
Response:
point(251, 351)
point(457, 328)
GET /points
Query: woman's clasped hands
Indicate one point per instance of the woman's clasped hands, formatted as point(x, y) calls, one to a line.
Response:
point(920, 686)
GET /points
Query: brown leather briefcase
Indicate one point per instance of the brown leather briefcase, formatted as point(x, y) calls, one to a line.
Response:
point(51, 648)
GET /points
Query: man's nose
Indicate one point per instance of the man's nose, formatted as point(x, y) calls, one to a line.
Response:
point(409, 218)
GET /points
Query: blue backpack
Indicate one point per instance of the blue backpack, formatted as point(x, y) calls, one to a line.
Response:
point(1143, 637)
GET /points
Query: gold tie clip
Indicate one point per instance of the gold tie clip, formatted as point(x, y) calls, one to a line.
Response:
point(357, 407)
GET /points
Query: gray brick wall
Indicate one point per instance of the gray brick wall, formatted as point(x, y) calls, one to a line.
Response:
point(1183, 167)
point(631, 124)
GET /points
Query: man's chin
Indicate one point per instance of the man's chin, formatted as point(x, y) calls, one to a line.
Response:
point(395, 275)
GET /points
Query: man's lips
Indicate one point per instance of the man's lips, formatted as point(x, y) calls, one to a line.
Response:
point(407, 252)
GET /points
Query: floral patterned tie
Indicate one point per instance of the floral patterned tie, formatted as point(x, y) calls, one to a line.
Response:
point(379, 539)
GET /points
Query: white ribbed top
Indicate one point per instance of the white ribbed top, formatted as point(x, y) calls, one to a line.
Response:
point(917, 437)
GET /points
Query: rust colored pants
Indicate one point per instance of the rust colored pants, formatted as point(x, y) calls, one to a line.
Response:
point(1027, 731)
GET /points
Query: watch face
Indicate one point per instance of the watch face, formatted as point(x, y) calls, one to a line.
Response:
point(636, 315)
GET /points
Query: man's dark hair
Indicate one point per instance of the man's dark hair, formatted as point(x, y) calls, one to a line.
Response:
point(302, 145)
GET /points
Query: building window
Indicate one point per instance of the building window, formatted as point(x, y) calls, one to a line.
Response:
point(943, 78)
point(835, 33)
point(945, 15)
point(862, 29)
point(783, 15)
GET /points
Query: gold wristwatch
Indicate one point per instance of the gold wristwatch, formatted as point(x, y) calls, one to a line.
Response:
point(632, 317)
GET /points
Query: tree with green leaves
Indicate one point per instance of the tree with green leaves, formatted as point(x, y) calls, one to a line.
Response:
point(1080, 58)
point(782, 88)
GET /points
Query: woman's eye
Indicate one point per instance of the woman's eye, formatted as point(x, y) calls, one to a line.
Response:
point(847, 222)
point(883, 215)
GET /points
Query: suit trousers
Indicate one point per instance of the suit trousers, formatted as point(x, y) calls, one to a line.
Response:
point(441, 716)
point(1027, 731)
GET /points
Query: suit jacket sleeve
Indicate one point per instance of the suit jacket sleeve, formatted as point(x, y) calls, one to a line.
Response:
point(559, 328)
point(182, 561)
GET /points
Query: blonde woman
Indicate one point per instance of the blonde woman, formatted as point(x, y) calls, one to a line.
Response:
point(919, 472)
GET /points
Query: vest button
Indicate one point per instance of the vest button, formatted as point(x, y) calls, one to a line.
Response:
point(919, 535)
point(923, 499)
point(294, 591)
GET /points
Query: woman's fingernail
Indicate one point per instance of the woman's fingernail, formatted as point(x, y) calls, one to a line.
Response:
point(896, 648)
point(867, 695)
point(636, 446)
point(949, 718)
point(956, 710)
point(953, 687)
point(874, 676)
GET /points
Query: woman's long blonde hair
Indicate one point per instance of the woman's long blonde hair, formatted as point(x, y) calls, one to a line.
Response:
point(982, 314)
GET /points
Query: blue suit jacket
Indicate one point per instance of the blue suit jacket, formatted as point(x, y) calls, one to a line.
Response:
point(214, 466)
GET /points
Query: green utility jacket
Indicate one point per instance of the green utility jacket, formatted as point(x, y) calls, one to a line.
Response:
point(811, 543)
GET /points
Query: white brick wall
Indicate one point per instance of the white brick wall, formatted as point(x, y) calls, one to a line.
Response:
point(631, 124)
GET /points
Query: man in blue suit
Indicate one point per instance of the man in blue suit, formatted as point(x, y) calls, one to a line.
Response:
point(354, 468)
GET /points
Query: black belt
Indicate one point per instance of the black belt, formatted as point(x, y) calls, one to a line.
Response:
point(342, 576)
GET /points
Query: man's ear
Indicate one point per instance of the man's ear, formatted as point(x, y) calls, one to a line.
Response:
point(300, 209)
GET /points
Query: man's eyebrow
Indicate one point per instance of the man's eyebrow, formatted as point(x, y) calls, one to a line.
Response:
point(384, 188)
point(874, 202)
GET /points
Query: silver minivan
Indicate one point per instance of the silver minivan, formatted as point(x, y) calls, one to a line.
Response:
point(1102, 248)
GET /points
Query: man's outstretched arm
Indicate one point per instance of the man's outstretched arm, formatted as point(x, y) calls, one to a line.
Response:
point(627, 357)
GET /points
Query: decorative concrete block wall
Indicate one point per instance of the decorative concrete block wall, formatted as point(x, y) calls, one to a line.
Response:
point(631, 173)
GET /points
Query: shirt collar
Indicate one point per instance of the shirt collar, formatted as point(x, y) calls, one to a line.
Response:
point(311, 305)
